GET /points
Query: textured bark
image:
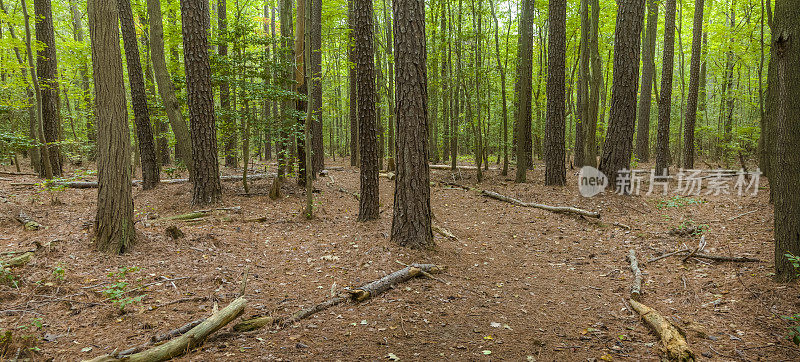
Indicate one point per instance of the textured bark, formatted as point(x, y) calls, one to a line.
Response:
point(206, 187)
point(141, 114)
point(318, 151)
point(166, 88)
point(694, 85)
point(351, 75)
point(161, 127)
point(113, 225)
point(502, 69)
point(365, 77)
point(590, 127)
point(582, 99)
point(45, 169)
point(83, 71)
point(411, 222)
point(522, 88)
point(648, 72)
point(456, 119)
point(554, 152)
point(665, 104)
point(785, 55)
point(622, 116)
point(47, 70)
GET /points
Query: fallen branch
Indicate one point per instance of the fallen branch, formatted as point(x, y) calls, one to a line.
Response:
point(740, 215)
point(735, 259)
point(161, 338)
point(459, 167)
point(200, 213)
point(636, 287)
point(17, 173)
point(672, 340)
point(191, 339)
point(444, 232)
point(93, 184)
point(556, 209)
point(700, 246)
point(387, 175)
point(360, 294)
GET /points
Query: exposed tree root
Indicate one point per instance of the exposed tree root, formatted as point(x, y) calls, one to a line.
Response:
point(367, 291)
point(556, 209)
point(189, 340)
point(672, 340)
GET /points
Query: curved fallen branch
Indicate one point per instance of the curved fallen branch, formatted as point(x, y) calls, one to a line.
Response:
point(191, 339)
point(556, 209)
point(367, 291)
point(733, 259)
point(672, 340)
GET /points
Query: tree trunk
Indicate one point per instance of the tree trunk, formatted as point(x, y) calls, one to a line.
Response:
point(46, 167)
point(228, 123)
point(365, 77)
point(476, 15)
point(665, 104)
point(141, 114)
point(523, 86)
point(85, 105)
point(166, 88)
point(411, 222)
point(582, 114)
point(590, 128)
point(622, 116)
point(694, 85)
point(648, 72)
point(47, 70)
point(390, 164)
point(318, 150)
point(502, 70)
point(113, 225)
point(554, 152)
point(160, 125)
point(458, 97)
point(206, 187)
point(785, 55)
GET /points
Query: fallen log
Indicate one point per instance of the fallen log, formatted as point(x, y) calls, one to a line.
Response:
point(189, 340)
point(556, 209)
point(18, 260)
point(200, 213)
point(27, 222)
point(636, 286)
point(17, 173)
point(93, 184)
point(161, 338)
point(367, 291)
point(387, 175)
point(672, 340)
point(459, 167)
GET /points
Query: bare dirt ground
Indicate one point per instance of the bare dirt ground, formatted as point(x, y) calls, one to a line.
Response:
point(522, 283)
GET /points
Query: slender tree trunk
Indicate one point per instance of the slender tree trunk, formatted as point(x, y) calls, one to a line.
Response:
point(502, 71)
point(390, 162)
point(160, 125)
point(47, 70)
point(141, 114)
point(183, 143)
point(85, 105)
point(454, 126)
point(590, 128)
point(648, 72)
point(411, 221)
point(554, 154)
point(113, 225)
point(478, 67)
point(665, 104)
point(523, 86)
point(205, 181)
point(365, 77)
point(622, 116)
point(582, 113)
point(354, 134)
point(46, 169)
point(785, 54)
point(318, 150)
point(694, 80)
point(228, 123)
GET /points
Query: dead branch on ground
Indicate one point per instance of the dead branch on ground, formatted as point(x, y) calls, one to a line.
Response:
point(556, 209)
point(636, 286)
point(672, 340)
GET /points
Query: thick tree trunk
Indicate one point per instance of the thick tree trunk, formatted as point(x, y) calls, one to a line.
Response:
point(648, 72)
point(622, 116)
point(694, 85)
point(365, 77)
point(665, 104)
point(411, 222)
point(113, 225)
point(554, 132)
point(785, 81)
point(141, 114)
point(166, 88)
point(523, 86)
point(206, 187)
point(47, 70)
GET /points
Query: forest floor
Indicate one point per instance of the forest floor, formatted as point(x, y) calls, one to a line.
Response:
point(522, 283)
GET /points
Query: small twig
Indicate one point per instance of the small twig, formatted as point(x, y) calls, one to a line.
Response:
point(740, 215)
